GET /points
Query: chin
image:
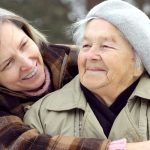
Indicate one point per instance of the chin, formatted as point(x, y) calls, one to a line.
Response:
point(37, 84)
point(89, 86)
point(94, 84)
point(40, 83)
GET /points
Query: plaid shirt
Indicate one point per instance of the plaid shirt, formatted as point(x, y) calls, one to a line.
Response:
point(15, 135)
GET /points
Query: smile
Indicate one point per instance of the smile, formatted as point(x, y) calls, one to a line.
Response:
point(31, 74)
point(95, 69)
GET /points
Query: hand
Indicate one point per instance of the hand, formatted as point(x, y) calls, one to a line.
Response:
point(145, 145)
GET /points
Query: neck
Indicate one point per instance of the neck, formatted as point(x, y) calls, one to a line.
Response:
point(108, 94)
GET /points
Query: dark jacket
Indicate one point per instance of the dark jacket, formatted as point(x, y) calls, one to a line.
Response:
point(15, 135)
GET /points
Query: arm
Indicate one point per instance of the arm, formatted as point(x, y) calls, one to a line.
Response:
point(15, 135)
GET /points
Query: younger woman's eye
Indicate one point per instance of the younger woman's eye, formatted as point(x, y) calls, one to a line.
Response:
point(23, 43)
point(7, 65)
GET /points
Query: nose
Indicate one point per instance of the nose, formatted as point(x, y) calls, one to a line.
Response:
point(93, 54)
point(25, 63)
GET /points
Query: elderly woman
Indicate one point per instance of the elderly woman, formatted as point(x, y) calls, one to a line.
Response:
point(30, 67)
point(110, 96)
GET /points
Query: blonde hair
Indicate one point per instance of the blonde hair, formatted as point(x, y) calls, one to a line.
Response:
point(22, 23)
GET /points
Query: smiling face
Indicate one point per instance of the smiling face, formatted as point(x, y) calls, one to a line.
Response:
point(106, 60)
point(21, 64)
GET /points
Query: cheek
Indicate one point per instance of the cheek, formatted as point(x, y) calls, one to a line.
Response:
point(113, 66)
point(35, 50)
point(9, 80)
point(37, 55)
point(40, 56)
point(118, 68)
point(81, 62)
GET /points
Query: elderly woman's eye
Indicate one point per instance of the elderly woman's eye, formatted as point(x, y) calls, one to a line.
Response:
point(85, 46)
point(107, 47)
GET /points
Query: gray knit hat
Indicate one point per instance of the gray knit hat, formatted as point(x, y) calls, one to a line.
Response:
point(131, 21)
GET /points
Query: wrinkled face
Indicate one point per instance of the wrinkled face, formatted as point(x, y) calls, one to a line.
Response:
point(21, 64)
point(106, 58)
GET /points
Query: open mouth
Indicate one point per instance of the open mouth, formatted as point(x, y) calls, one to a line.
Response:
point(30, 74)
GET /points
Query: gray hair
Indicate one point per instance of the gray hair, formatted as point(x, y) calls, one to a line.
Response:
point(34, 34)
point(77, 30)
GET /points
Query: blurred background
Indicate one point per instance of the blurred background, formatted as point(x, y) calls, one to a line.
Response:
point(52, 16)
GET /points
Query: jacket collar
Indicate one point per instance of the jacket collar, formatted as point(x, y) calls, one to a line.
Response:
point(69, 97)
point(142, 89)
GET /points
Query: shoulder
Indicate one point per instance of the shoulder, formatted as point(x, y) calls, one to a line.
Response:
point(67, 54)
point(57, 101)
point(66, 97)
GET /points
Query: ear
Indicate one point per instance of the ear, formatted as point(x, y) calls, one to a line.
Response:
point(139, 70)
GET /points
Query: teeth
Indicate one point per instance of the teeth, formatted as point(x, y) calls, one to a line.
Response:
point(31, 74)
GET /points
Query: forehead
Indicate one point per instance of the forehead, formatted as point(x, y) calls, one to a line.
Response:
point(102, 28)
point(10, 37)
point(9, 32)
point(7, 27)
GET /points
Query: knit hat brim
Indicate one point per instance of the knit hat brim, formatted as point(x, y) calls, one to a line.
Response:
point(132, 22)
